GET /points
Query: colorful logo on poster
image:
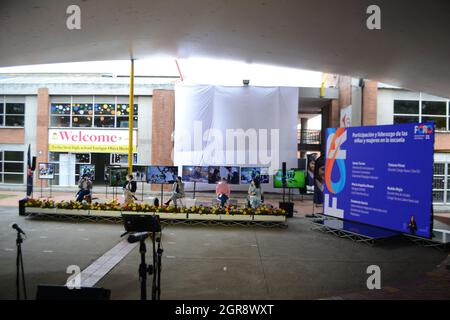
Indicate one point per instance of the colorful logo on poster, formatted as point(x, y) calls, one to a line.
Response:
point(423, 129)
point(336, 156)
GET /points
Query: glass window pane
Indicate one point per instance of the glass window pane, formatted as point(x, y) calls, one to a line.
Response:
point(14, 121)
point(1, 177)
point(405, 119)
point(434, 107)
point(439, 182)
point(13, 156)
point(406, 106)
point(122, 158)
point(15, 108)
point(1, 157)
point(104, 122)
point(440, 123)
point(82, 109)
point(60, 108)
point(122, 122)
point(78, 121)
point(439, 168)
point(60, 121)
point(13, 167)
point(53, 156)
point(1, 108)
point(13, 178)
point(1, 119)
point(438, 196)
point(82, 158)
point(123, 110)
point(104, 109)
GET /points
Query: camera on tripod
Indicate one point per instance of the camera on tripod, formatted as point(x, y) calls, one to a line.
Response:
point(139, 228)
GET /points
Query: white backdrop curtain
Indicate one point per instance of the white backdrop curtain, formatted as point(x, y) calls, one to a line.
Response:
point(211, 122)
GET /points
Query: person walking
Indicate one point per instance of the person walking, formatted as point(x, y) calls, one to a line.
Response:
point(223, 191)
point(129, 189)
point(177, 191)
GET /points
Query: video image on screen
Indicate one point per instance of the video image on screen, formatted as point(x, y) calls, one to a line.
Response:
point(89, 170)
point(118, 176)
point(140, 173)
point(294, 179)
point(249, 173)
point(216, 173)
point(162, 174)
point(195, 174)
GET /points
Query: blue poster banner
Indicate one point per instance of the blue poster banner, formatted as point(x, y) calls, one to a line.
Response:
point(381, 176)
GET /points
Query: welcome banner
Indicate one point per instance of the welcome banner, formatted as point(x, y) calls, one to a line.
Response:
point(90, 140)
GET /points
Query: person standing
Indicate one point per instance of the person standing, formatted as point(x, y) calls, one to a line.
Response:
point(85, 186)
point(129, 189)
point(223, 191)
point(255, 193)
point(177, 191)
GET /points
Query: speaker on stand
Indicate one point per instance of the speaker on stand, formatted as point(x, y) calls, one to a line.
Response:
point(286, 205)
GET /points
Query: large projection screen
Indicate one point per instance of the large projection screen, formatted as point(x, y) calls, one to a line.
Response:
point(381, 176)
point(235, 126)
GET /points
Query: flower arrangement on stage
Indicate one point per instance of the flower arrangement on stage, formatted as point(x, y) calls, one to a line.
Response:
point(114, 205)
point(38, 203)
point(72, 205)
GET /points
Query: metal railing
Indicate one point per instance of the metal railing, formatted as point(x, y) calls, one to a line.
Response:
point(309, 136)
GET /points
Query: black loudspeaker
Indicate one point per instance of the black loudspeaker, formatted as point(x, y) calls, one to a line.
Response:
point(288, 207)
point(53, 292)
point(22, 207)
point(33, 164)
point(283, 168)
point(140, 223)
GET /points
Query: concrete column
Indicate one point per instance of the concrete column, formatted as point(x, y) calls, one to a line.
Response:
point(345, 92)
point(369, 103)
point(42, 123)
point(330, 119)
point(163, 125)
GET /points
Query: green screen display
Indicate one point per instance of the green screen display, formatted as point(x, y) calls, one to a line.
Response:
point(294, 179)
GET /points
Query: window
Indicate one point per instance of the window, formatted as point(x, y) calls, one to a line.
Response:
point(12, 114)
point(12, 167)
point(406, 107)
point(119, 158)
point(80, 158)
point(103, 112)
point(440, 182)
point(60, 115)
point(82, 115)
point(409, 111)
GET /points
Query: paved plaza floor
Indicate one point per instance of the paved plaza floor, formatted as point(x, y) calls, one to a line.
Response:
point(219, 262)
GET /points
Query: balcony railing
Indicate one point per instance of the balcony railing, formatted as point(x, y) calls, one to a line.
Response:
point(308, 136)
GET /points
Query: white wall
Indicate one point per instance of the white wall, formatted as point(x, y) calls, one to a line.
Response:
point(144, 146)
point(385, 103)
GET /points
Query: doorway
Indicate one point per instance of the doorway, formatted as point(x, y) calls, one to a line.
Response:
point(101, 161)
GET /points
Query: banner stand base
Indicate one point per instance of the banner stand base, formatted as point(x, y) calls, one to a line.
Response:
point(354, 231)
point(440, 240)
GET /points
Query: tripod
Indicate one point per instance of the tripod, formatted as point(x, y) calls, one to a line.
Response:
point(140, 228)
point(19, 268)
point(153, 269)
